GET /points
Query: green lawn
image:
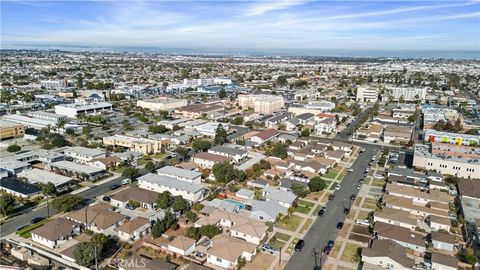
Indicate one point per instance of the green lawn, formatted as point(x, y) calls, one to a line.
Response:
point(290, 223)
point(282, 236)
point(159, 155)
point(331, 175)
point(27, 232)
point(349, 253)
point(291, 247)
point(279, 241)
point(377, 183)
point(303, 207)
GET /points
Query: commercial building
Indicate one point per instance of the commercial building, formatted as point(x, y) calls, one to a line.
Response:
point(162, 104)
point(83, 154)
point(461, 167)
point(37, 176)
point(48, 116)
point(198, 110)
point(265, 104)
point(398, 134)
point(53, 84)
point(367, 94)
point(140, 145)
point(10, 130)
point(432, 135)
point(75, 109)
point(408, 94)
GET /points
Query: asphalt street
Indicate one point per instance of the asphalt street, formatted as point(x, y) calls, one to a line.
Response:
point(324, 227)
point(11, 225)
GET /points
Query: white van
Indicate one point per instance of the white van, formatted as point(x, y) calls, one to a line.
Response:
point(126, 181)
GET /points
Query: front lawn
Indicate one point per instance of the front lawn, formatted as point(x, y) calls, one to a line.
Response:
point(290, 223)
point(27, 231)
point(331, 175)
point(350, 252)
point(303, 207)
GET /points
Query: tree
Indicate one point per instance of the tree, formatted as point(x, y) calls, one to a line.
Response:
point(130, 173)
point(278, 150)
point(201, 144)
point(472, 131)
point(149, 166)
point(224, 172)
point(412, 118)
point(241, 262)
point(281, 80)
point(222, 94)
point(468, 255)
point(79, 82)
point(84, 253)
point(206, 230)
point(127, 126)
point(156, 129)
point(164, 200)
point(7, 203)
point(237, 120)
point(67, 202)
point(299, 189)
point(13, 148)
point(49, 189)
point(191, 215)
point(182, 152)
point(305, 133)
point(316, 184)
point(220, 135)
point(179, 204)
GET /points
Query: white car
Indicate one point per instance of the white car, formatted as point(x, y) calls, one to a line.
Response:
point(126, 181)
point(363, 222)
point(337, 187)
point(350, 170)
point(359, 186)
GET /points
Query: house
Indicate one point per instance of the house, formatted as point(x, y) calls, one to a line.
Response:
point(418, 197)
point(181, 174)
point(264, 136)
point(245, 194)
point(403, 236)
point(225, 205)
point(136, 262)
point(83, 154)
point(182, 245)
point(55, 232)
point(19, 188)
point(284, 198)
point(311, 166)
point(305, 118)
point(258, 183)
point(406, 204)
point(98, 218)
point(327, 125)
point(239, 225)
point(444, 262)
point(207, 160)
point(336, 155)
point(160, 183)
point(146, 198)
point(444, 241)
point(77, 171)
point(292, 124)
point(106, 163)
point(37, 176)
point(225, 251)
point(134, 229)
point(386, 254)
point(265, 210)
point(234, 153)
point(286, 184)
point(395, 217)
point(440, 223)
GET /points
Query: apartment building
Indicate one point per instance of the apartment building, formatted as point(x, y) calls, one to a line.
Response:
point(83, 154)
point(74, 109)
point(10, 130)
point(198, 110)
point(408, 93)
point(448, 165)
point(162, 104)
point(160, 183)
point(365, 94)
point(141, 145)
point(265, 104)
point(432, 135)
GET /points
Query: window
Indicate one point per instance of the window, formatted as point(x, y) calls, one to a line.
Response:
point(219, 260)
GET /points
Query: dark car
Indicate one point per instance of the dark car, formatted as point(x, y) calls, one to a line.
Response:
point(114, 186)
point(346, 210)
point(339, 225)
point(299, 245)
point(130, 207)
point(37, 219)
point(353, 197)
point(321, 212)
point(106, 199)
point(331, 197)
point(328, 247)
point(330, 243)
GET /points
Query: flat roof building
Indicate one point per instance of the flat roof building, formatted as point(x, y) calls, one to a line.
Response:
point(75, 109)
point(11, 130)
point(162, 104)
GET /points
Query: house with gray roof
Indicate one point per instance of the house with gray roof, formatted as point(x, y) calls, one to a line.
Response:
point(160, 183)
point(236, 154)
point(265, 210)
point(282, 197)
point(181, 174)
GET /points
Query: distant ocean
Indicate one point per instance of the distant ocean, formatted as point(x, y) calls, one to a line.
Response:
point(447, 54)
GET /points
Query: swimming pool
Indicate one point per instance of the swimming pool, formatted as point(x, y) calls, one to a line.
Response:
point(240, 204)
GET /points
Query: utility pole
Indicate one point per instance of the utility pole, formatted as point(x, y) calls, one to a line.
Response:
point(48, 208)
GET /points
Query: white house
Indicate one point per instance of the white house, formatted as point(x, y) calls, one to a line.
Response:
point(264, 136)
point(182, 245)
point(225, 251)
point(236, 154)
point(134, 229)
point(327, 125)
point(443, 241)
point(55, 232)
point(181, 174)
point(83, 154)
point(386, 254)
point(159, 183)
point(282, 197)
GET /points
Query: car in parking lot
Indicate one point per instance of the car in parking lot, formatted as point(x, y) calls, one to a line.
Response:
point(299, 245)
point(339, 225)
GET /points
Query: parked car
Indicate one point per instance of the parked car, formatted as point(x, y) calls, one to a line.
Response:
point(359, 186)
point(299, 245)
point(352, 198)
point(267, 248)
point(126, 181)
point(363, 222)
point(339, 225)
point(346, 210)
point(331, 197)
point(37, 219)
point(321, 212)
point(350, 170)
point(337, 187)
point(328, 247)
point(106, 198)
point(130, 207)
point(114, 186)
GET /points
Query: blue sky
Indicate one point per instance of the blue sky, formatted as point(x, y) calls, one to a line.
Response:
point(284, 24)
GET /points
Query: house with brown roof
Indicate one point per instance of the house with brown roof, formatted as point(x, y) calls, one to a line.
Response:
point(444, 262)
point(105, 163)
point(440, 223)
point(207, 160)
point(182, 245)
point(443, 241)
point(264, 136)
point(407, 204)
point(225, 251)
point(134, 229)
point(403, 236)
point(55, 232)
point(419, 197)
point(146, 198)
point(395, 217)
point(386, 254)
point(98, 218)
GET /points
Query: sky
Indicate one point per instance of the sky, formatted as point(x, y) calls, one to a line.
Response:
point(283, 24)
